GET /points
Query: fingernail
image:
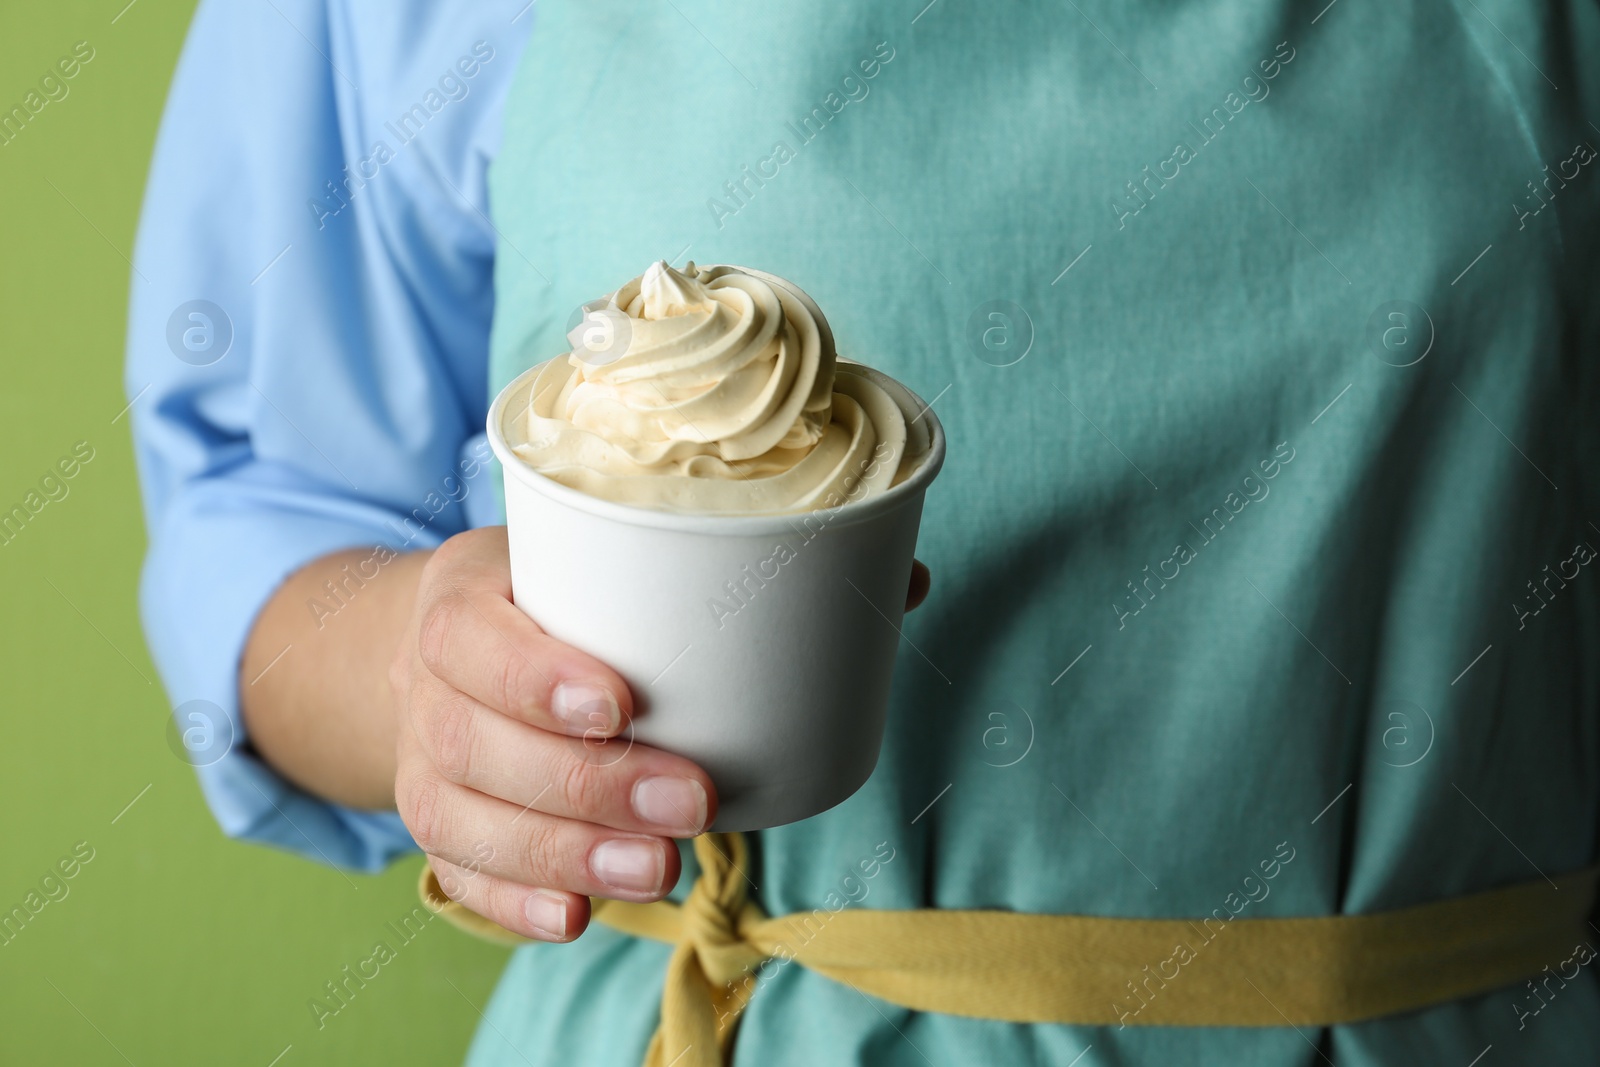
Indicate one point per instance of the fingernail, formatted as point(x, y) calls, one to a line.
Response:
point(547, 913)
point(583, 707)
point(635, 866)
point(675, 804)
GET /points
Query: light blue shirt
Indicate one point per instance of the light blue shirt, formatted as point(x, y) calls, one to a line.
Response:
point(318, 182)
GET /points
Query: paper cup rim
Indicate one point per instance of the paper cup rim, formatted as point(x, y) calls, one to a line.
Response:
point(727, 525)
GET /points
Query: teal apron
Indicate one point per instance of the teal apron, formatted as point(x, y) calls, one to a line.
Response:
point(1264, 558)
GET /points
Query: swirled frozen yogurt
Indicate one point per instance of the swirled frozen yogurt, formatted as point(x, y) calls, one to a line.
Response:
point(716, 390)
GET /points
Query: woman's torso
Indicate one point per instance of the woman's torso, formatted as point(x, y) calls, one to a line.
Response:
point(1320, 347)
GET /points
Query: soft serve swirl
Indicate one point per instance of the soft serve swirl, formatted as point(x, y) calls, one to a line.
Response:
point(715, 391)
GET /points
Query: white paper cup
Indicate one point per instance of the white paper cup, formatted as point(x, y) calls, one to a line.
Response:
point(761, 647)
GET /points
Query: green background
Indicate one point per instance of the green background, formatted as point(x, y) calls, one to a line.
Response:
point(173, 945)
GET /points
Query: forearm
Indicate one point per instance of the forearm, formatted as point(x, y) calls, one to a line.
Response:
point(322, 714)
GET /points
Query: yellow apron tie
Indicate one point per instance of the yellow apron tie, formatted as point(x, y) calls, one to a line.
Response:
point(699, 1000)
point(1081, 969)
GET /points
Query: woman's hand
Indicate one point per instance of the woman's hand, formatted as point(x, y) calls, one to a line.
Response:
point(510, 773)
point(493, 738)
point(507, 775)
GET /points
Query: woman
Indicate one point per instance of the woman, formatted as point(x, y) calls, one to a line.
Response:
point(1263, 343)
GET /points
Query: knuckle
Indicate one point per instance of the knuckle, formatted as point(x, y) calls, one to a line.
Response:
point(448, 554)
point(454, 554)
point(583, 788)
point(433, 633)
point(545, 854)
point(400, 672)
point(475, 540)
point(517, 683)
point(423, 811)
point(498, 901)
point(452, 739)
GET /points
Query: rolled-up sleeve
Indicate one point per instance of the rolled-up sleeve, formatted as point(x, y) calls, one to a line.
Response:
point(308, 338)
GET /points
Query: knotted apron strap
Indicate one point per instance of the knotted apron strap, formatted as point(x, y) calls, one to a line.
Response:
point(1087, 970)
point(708, 980)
